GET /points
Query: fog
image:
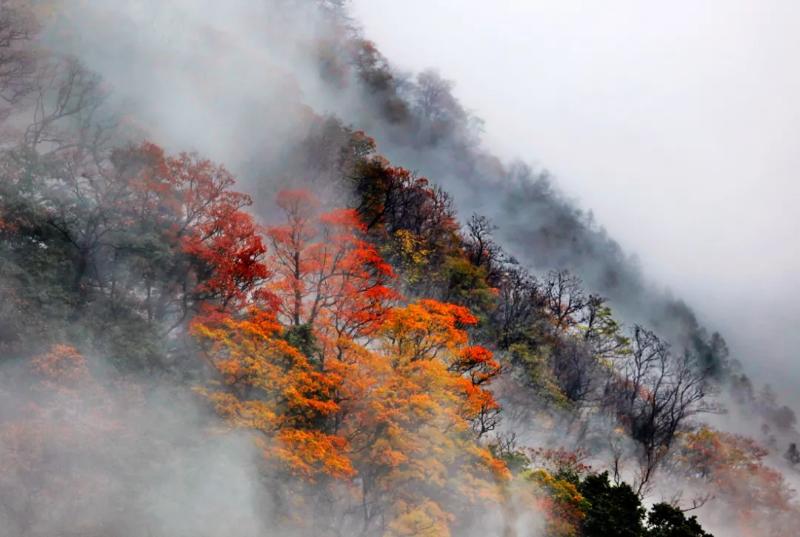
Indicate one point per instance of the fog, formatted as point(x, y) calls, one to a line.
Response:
point(220, 80)
point(670, 127)
point(675, 124)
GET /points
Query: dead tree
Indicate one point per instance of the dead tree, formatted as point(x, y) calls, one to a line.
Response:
point(564, 299)
point(653, 394)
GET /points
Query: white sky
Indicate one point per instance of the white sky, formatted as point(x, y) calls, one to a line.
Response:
point(677, 123)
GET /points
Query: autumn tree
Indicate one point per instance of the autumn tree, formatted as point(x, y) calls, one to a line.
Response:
point(138, 239)
point(396, 398)
point(330, 284)
point(415, 424)
point(401, 210)
point(326, 275)
point(267, 385)
point(744, 489)
point(429, 330)
point(207, 219)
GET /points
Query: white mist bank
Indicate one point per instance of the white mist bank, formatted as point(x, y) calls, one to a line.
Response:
point(674, 124)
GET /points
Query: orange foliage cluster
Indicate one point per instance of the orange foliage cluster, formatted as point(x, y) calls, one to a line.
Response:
point(271, 387)
point(377, 398)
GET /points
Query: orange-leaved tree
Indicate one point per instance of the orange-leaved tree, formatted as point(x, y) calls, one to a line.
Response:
point(409, 422)
point(328, 287)
point(429, 329)
point(387, 403)
point(269, 386)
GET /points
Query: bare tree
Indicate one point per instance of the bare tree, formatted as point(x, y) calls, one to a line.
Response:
point(481, 248)
point(17, 59)
point(564, 299)
point(653, 393)
point(520, 304)
point(66, 101)
point(576, 370)
point(434, 98)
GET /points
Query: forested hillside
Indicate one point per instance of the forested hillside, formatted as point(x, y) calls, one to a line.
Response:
point(317, 340)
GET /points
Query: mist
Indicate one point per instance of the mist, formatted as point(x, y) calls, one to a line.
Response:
point(232, 81)
point(612, 174)
point(267, 82)
point(674, 125)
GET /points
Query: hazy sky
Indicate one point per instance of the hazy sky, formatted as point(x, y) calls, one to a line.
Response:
point(677, 123)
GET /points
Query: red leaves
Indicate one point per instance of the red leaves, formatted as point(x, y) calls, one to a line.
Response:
point(325, 273)
point(478, 363)
point(233, 251)
point(214, 229)
point(189, 201)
